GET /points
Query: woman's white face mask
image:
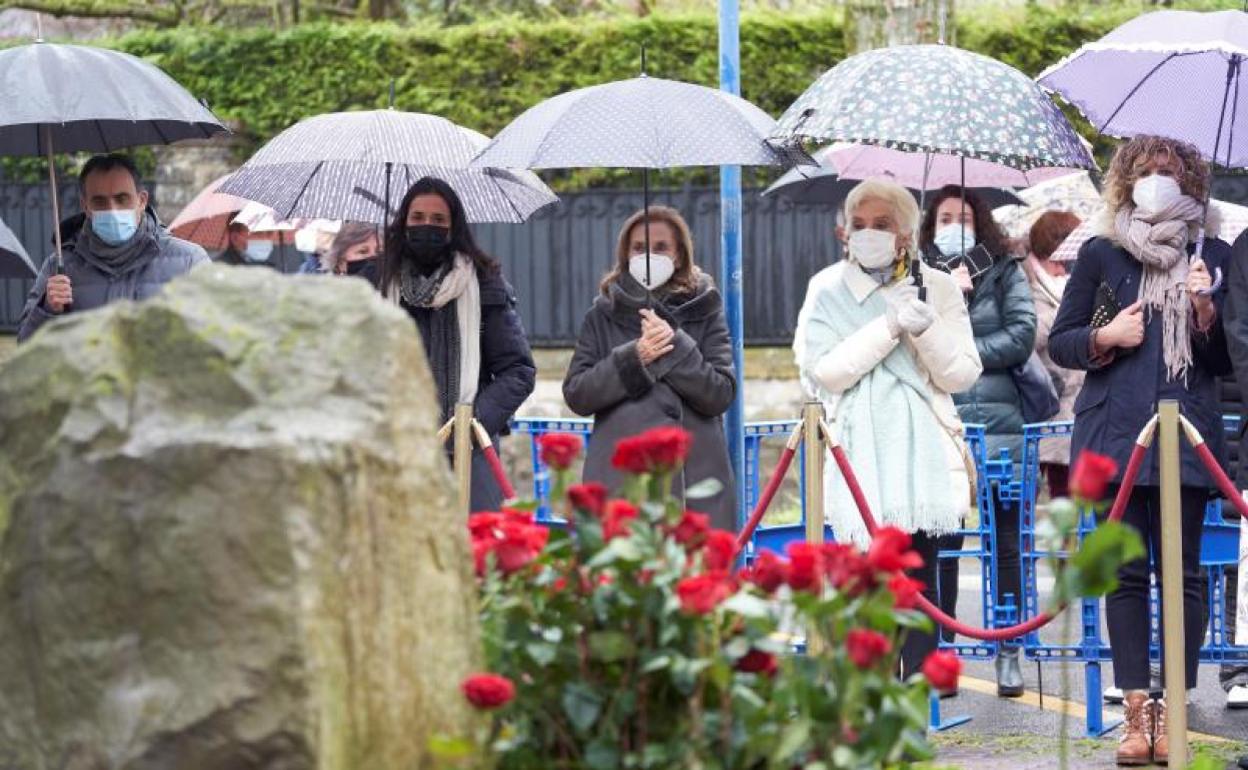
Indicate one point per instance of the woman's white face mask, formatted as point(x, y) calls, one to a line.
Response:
point(662, 267)
point(1155, 192)
point(873, 249)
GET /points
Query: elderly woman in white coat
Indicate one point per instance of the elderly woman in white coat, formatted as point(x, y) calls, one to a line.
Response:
point(884, 363)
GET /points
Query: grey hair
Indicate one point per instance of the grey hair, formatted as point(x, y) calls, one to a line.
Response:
point(895, 197)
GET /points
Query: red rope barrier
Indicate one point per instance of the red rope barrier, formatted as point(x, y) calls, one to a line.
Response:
point(934, 612)
point(764, 500)
point(496, 466)
point(1225, 485)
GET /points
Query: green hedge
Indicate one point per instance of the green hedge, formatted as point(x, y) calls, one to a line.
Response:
point(484, 75)
point(481, 76)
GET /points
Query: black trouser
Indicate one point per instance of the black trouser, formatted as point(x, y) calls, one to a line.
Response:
point(919, 644)
point(1127, 609)
point(1009, 578)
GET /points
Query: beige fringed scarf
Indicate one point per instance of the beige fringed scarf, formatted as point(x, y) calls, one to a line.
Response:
point(1159, 241)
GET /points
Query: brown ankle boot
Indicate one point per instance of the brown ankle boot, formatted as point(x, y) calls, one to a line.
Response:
point(1161, 742)
point(1135, 747)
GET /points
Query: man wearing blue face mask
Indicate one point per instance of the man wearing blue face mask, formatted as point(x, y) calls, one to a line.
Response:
point(122, 251)
point(244, 250)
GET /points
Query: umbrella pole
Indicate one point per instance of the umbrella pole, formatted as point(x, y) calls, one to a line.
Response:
point(645, 220)
point(56, 205)
point(916, 264)
point(962, 194)
point(1232, 66)
point(385, 215)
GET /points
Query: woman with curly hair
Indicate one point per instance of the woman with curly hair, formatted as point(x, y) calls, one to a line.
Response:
point(1164, 341)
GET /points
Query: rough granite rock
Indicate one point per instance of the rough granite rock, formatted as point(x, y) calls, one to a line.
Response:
point(227, 537)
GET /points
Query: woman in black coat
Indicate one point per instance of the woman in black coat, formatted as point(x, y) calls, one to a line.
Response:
point(960, 234)
point(466, 314)
point(1167, 342)
point(645, 359)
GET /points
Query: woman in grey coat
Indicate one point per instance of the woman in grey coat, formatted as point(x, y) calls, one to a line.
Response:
point(662, 356)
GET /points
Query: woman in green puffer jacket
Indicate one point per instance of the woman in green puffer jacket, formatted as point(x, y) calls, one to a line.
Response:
point(959, 233)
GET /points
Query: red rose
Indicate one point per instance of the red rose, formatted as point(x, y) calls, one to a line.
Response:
point(630, 457)
point(905, 591)
point(866, 647)
point(616, 517)
point(589, 498)
point(519, 544)
point(720, 550)
point(488, 691)
point(942, 670)
point(667, 447)
point(890, 551)
point(559, 450)
point(768, 572)
point(701, 594)
point(757, 662)
point(658, 450)
point(1091, 476)
point(483, 525)
point(691, 530)
point(805, 567)
point(847, 569)
point(560, 585)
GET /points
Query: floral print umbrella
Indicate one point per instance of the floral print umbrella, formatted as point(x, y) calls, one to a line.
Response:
point(941, 99)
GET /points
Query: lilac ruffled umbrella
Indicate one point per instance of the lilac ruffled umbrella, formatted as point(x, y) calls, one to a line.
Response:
point(1170, 73)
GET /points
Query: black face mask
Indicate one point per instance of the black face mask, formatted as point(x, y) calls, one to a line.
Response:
point(427, 244)
point(361, 266)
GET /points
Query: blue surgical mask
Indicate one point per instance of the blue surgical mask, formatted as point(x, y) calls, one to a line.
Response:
point(114, 226)
point(954, 239)
point(258, 250)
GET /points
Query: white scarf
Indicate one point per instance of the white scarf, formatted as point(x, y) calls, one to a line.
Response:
point(461, 286)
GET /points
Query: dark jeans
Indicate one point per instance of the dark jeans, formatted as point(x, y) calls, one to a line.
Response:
point(919, 644)
point(1009, 578)
point(1127, 610)
point(1058, 476)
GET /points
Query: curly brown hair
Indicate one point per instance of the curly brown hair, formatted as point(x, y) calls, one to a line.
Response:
point(1132, 158)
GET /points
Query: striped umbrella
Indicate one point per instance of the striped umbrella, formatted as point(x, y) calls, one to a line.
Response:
point(350, 165)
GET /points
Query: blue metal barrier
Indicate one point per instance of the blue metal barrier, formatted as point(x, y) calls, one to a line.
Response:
point(1219, 549)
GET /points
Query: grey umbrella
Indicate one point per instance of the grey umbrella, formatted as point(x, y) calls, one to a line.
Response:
point(71, 98)
point(343, 165)
point(14, 261)
point(643, 122)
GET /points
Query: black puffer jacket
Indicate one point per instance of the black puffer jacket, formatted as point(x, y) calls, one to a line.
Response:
point(1003, 318)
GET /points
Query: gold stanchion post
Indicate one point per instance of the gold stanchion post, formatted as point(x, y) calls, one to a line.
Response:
point(1172, 584)
point(812, 416)
point(463, 455)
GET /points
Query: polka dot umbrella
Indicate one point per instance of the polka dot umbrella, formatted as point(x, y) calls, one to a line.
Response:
point(643, 122)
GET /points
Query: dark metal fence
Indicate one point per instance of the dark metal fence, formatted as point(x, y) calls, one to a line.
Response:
point(556, 260)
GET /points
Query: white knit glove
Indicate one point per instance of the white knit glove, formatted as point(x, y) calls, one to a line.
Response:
point(896, 299)
point(915, 316)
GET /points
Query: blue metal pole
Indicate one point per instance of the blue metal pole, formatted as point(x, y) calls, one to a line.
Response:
point(730, 251)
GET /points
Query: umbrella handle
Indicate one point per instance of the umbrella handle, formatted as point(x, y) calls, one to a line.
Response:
point(917, 273)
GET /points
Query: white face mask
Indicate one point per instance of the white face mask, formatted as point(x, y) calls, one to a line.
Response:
point(662, 267)
point(954, 239)
point(873, 249)
point(258, 250)
point(1155, 192)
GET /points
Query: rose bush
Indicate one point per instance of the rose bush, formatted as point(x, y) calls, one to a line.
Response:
point(634, 640)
